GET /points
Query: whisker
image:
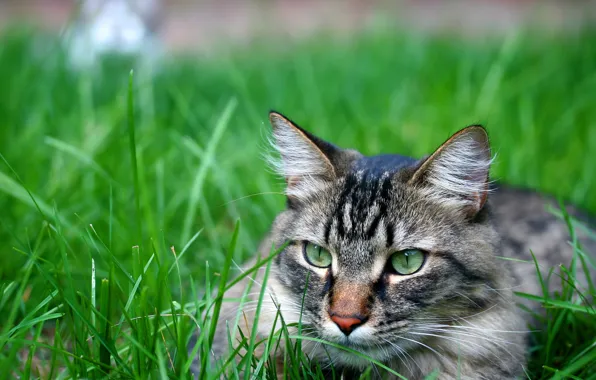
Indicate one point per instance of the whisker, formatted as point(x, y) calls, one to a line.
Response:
point(479, 328)
point(399, 352)
point(420, 343)
point(494, 340)
point(456, 340)
point(451, 319)
point(252, 195)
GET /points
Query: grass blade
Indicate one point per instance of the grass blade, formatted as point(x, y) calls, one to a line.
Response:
point(199, 180)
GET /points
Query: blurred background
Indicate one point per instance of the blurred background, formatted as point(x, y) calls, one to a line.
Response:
point(186, 24)
point(379, 76)
point(96, 160)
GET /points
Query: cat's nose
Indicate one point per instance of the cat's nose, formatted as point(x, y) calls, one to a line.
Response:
point(347, 324)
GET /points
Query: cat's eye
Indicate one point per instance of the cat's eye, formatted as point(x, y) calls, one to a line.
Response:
point(316, 255)
point(408, 261)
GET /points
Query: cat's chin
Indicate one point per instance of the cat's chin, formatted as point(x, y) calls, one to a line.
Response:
point(361, 340)
point(345, 359)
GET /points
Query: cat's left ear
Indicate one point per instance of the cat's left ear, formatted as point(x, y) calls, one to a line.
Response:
point(457, 172)
point(306, 160)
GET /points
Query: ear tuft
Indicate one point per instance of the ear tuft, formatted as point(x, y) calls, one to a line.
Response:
point(457, 172)
point(303, 162)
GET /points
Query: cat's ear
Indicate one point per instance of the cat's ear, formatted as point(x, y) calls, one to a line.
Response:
point(457, 172)
point(305, 159)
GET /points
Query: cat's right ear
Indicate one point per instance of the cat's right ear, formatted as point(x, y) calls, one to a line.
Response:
point(457, 172)
point(305, 159)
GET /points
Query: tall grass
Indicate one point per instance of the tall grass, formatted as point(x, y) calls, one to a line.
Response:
point(120, 194)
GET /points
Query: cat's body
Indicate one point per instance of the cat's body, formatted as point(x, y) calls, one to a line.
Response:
point(455, 312)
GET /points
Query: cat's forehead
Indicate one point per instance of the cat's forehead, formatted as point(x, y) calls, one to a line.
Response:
point(368, 210)
point(369, 188)
point(383, 163)
point(361, 202)
point(363, 209)
point(371, 206)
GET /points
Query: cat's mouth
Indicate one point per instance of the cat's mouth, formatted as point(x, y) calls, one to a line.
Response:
point(367, 340)
point(363, 338)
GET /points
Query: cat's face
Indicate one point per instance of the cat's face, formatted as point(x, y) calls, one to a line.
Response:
point(383, 247)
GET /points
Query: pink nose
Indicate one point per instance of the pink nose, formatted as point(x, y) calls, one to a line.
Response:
point(347, 324)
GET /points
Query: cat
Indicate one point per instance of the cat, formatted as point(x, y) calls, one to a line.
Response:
point(400, 259)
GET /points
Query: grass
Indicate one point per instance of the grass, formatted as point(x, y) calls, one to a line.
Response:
point(121, 194)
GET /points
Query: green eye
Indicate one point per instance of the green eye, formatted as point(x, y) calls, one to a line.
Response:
point(316, 256)
point(408, 261)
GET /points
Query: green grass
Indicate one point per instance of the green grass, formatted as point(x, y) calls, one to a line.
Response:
point(120, 194)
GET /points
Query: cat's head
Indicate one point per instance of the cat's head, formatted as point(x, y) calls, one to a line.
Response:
point(387, 243)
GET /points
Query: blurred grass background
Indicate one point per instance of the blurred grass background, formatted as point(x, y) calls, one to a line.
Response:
point(201, 122)
point(65, 133)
